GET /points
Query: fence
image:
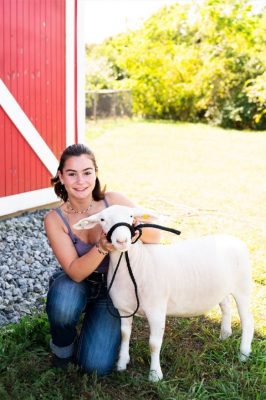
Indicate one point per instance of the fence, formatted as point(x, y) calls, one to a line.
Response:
point(108, 103)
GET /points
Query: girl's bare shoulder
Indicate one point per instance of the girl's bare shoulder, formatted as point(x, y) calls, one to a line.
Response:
point(114, 198)
point(53, 221)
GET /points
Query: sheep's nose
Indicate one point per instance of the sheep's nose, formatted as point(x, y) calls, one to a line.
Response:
point(121, 241)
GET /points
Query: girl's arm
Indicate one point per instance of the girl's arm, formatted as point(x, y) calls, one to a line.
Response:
point(77, 268)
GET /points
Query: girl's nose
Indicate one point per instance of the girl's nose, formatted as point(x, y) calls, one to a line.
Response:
point(80, 178)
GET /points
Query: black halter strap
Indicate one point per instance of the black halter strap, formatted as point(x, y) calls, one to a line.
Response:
point(163, 228)
point(130, 227)
point(138, 228)
point(133, 231)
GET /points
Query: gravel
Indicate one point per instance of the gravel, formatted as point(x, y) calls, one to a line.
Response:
point(26, 264)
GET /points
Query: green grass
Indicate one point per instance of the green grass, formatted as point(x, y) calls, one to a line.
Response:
point(202, 180)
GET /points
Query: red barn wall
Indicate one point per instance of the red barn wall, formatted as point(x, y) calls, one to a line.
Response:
point(32, 66)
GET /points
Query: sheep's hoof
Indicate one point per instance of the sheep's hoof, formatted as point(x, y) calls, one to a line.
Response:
point(121, 368)
point(225, 335)
point(155, 376)
point(122, 365)
point(243, 357)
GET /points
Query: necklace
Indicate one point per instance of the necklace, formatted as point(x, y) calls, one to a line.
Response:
point(76, 211)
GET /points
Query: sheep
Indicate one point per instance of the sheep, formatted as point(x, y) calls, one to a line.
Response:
point(184, 279)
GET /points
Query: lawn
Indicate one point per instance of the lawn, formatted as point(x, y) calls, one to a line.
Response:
point(200, 180)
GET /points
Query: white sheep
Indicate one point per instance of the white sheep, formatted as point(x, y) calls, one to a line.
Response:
point(184, 279)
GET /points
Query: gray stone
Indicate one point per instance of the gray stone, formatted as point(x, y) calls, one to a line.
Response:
point(3, 270)
point(26, 263)
point(8, 277)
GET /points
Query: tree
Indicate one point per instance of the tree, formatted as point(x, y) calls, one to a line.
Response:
point(198, 62)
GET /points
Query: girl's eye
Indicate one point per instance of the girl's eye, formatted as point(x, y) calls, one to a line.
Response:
point(88, 173)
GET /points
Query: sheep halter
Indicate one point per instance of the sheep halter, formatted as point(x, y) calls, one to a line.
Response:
point(133, 232)
point(130, 227)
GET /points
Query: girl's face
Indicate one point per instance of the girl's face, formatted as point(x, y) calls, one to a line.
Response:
point(78, 176)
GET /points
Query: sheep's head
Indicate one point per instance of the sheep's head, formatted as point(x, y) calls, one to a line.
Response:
point(107, 218)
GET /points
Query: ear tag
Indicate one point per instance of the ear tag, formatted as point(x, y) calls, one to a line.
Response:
point(145, 216)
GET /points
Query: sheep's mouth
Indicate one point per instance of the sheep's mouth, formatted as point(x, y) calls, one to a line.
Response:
point(123, 250)
point(122, 247)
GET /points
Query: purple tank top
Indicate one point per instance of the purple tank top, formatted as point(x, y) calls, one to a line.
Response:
point(80, 246)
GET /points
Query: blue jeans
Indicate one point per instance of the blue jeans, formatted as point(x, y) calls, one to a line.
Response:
point(96, 348)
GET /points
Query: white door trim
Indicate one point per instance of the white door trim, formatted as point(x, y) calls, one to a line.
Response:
point(81, 58)
point(25, 201)
point(70, 72)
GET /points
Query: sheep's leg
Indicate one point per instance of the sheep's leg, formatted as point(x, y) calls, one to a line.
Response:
point(247, 323)
point(226, 329)
point(123, 359)
point(157, 324)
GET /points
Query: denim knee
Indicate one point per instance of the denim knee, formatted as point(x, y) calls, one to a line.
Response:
point(100, 367)
point(99, 340)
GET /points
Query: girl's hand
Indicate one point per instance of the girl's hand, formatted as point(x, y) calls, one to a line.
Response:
point(104, 244)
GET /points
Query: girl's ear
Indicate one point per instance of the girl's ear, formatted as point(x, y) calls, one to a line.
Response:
point(60, 177)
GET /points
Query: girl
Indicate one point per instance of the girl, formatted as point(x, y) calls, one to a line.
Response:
point(83, 255)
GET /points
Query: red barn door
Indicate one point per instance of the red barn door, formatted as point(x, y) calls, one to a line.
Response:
point(36, 120)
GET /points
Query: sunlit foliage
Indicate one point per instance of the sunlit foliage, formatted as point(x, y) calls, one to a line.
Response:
point(203, 61)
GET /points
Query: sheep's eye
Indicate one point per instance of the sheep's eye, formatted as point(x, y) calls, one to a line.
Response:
point(102, 219)
point(131, 216)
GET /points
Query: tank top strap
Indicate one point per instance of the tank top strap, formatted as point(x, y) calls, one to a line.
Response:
point(105, 202)
point(61, 215)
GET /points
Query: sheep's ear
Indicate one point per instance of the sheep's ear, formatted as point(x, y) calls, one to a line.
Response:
point(87, 223)
point(144, 215)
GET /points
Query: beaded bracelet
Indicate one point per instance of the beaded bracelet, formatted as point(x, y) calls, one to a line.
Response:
point(100, 250)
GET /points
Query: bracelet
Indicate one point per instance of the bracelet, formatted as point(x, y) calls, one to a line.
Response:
point(100, 250)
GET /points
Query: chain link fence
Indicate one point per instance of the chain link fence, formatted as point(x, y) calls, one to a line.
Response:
point(108, 104)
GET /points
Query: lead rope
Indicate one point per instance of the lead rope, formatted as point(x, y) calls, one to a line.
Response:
point(134, 283)
point(139, 229)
